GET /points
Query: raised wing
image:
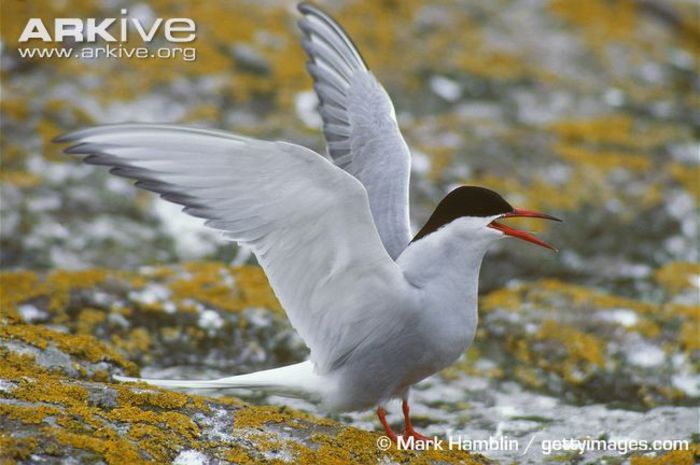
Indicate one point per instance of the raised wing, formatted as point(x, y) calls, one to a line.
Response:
point(307, 221)
point(359, 124)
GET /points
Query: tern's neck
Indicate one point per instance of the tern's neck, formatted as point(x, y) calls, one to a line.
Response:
point(446, 259)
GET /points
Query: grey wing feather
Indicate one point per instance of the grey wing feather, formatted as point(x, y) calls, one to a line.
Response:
point(359, 124)
point(307, 221)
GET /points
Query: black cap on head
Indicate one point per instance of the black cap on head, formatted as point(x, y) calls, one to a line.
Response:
point(465, 201)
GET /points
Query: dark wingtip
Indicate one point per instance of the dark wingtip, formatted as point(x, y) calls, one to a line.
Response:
point(304, 7)
point(61, 138)
point(77, 149)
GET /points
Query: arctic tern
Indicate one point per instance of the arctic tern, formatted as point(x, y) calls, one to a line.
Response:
point(379, 308)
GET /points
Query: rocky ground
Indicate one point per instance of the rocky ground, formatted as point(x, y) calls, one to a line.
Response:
point(585, 110)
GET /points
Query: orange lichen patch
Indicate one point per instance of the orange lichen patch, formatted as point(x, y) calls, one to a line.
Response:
point(582, 188)
point(581, 348)
point(15, 365)
point(156, 273)
point(16, 448)
point(151, 397)
point(382, 28)
point(690, 328)
point(175, 422)
point(12, 155)
point(51, 390)
point(204, 113)
point(27, 414)
point(570, 353)
point(56, 107)
point(88, 319)
point(48, 131)
point(506, 299)
point(59, 283)
point(238, 455)
point(603, 160)
point(688, 177)
point(529, 377)
point(440, 159)
point(15, 107)
point(494, 65)
point(547, 293)
point(212, 283)
point(81, 346)
point(106, 443)
point(611, 129)
point(17, 287)
point(352, 445)
point(619, 21)
point(254, 288)
point(138, 341)
point(230, 401)
point(206, 283)
point(256, 417)
point(678, 276)
point(676, 457)
point(155, 441)
point(19, 179)
point(646, 328)
point(605, 20)
point(582, 297)
point(615, 131)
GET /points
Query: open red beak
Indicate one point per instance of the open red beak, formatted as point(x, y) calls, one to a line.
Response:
point(524, 235)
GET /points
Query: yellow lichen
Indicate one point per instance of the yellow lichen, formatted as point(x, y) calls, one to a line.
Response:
point(21, 179)
point(678, 276)
point(88, 319)
point(155, 441)
point(51, 390)
point(688, 177)
point(17, 287)
point(60, 283)
point(173, 421)
point(14, 447)
point(251, 418)
point(151, 398)
point(676, 457)
point(82, 346)
point(138, 341)
point(27, 414)
point(108, 444)
point(606, 20)
point(581, 348)
point(207, 283)
point(255, 417)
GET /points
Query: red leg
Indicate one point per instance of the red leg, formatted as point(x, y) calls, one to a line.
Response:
point(382, 418)
point(408, 426)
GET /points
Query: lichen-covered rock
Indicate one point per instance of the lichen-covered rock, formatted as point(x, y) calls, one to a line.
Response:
point(589, 346)
point(58, 405)
point(542, 347)
point(49, 417)
point(172, 315)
